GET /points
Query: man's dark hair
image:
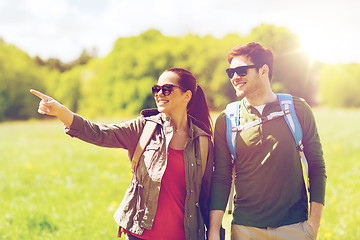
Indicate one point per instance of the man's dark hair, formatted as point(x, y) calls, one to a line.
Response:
point(256, 53)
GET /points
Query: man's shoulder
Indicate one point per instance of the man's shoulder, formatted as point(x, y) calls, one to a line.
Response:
point(298, 99)
point(300, 104)
point(220, 123)
point(221, 116)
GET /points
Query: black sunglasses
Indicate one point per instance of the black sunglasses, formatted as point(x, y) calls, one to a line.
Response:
point(166, 89)
point(240, 71)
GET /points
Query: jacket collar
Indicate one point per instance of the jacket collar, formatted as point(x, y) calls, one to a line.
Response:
point(153, 115)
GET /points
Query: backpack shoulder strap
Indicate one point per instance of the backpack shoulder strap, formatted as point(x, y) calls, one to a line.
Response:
point(204, 149)
point(144, 139)
point(232, 113)
point(287, 104)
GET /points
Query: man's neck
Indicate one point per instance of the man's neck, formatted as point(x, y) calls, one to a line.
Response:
point(258, 100)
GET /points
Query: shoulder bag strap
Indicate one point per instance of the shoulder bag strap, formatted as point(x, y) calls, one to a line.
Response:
point(204, 149)
point(146, 134)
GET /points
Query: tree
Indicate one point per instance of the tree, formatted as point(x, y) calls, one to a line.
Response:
point(18, 73)
point(121, 82)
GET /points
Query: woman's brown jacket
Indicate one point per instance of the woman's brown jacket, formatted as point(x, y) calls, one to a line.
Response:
point(138, 207)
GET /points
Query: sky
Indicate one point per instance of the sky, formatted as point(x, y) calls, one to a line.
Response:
point(328, 29)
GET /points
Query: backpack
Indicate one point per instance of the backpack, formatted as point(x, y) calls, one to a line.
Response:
point(232, 113)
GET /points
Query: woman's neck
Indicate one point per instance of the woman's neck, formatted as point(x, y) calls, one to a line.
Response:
point(179, 122)
point(180, 127)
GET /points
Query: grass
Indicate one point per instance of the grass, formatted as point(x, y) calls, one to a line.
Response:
point(56, 187)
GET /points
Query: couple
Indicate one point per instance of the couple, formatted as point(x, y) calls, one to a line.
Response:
point(181, 183)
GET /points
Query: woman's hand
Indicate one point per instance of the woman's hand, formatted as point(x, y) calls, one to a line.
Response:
point(47, 105)
point(50, 106)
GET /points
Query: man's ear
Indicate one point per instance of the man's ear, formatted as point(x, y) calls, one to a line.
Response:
point(264, 70)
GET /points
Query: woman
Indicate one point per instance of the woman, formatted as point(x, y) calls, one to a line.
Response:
point(168, 195)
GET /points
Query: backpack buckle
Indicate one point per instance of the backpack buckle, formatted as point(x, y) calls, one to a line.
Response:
point(235, 129)
point(286, 111)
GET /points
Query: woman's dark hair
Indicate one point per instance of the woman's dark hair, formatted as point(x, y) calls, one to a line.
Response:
point(197, 106)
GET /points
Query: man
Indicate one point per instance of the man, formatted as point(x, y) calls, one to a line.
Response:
point(271, 200)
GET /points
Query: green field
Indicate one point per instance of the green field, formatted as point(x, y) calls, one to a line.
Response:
point(56, 187)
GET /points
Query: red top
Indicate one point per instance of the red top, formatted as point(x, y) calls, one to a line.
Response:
point(169, 217)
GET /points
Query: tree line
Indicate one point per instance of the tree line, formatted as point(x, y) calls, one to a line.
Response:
point(120, 82)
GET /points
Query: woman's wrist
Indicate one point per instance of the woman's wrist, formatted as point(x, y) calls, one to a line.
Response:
point(65, 115)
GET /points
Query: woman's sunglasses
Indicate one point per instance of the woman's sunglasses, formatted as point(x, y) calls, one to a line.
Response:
point(166, 89)
point(240, 71)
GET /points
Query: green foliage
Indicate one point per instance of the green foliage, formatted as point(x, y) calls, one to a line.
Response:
point(120, 82)
point(127, 73)
point(339, 85)
point(56, 187)
point(18, 73)
point(279, 39)
point(205, 58)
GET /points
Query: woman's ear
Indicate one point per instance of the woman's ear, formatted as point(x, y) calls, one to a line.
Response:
point(188, 95)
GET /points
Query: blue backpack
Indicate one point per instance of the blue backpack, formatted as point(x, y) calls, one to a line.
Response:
point(232, 113)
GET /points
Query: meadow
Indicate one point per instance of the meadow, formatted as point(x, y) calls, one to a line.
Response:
point(55, 187)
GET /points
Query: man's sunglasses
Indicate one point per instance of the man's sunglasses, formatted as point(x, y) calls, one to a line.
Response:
point(166, 89)
point(240, 71)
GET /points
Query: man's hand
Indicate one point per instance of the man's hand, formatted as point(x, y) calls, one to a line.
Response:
point(216, 217)
point(50, 106)
point(315, 216)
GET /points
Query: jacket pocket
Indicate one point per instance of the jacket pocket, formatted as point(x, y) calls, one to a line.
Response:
point(127, 208)
point(151, 153)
